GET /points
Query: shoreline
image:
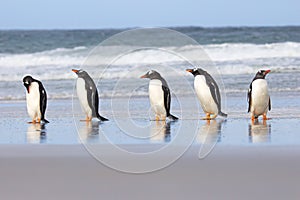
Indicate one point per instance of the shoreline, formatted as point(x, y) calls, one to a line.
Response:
point(65, 126)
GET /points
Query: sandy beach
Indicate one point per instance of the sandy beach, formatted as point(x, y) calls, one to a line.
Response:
point(131, 156)
point(240, 160)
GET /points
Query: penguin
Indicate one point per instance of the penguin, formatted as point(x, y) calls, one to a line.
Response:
point(36, 98)
point(160, 96)
point(259, 101)
point(208, 93)
point(88, 95)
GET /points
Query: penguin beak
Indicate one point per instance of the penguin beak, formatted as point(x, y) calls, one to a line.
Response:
point(267, 71)
point(189, 70)
point(144, 76)
point(75, 70)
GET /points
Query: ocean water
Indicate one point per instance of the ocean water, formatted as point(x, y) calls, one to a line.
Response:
point(235, 52)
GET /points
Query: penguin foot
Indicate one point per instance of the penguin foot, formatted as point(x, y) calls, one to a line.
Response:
point(32, 122)
point(88, 119)
point(265, 117)
point(253, 118)
point(208, 117)
point(157, 118)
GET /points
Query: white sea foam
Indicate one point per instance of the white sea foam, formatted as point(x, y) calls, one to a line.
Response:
point(242, 51)
point(231, 56)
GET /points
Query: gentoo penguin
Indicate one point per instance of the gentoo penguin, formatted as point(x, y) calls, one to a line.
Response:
point(88, 95)
point(208, 93)
point(258, 96)
point(160, 96)
point(36, 98)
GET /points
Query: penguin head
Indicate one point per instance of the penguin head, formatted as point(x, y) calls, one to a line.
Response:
point(27, 80)
point(262, 73)
point(196, 71)
point(80, 73)
point(152, 74)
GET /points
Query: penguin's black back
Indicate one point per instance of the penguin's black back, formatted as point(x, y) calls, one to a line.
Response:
point(213, 87)
point(92, 96)
point(167, 98)
point(43, 100)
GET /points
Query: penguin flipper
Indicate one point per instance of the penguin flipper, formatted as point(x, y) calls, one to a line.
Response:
point(167, 98)
point(167, 102)
point(214, 89)
point(249, 98)
point(93, 98)
point(43, 101)
point(96, 103)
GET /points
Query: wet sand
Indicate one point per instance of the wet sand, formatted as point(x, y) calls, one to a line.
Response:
point(240, 160)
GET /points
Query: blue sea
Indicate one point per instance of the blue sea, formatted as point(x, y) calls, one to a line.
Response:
point(236, 52)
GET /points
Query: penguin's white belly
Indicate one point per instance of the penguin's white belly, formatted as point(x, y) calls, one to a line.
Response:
point(260, 97)
point(204, 95)
point(156, 95)
point(82, 96)
point(33, 101)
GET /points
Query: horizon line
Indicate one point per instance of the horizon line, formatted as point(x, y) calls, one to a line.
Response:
point(136, 27)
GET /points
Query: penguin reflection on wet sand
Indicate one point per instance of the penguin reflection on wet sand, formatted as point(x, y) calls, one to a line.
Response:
point(161, 131)
point(36, 133)
point(89, 132)
point(36, 98)
point(160, 96)
point(259, 132)
point(209, 135)
point(258, 96)
point(210, 132)
point(88, 95)
point(208, 93)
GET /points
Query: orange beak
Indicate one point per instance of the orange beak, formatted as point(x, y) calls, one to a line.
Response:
point(144, 76)
point(75, 70)
point(189, 70)
point(267, 71)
